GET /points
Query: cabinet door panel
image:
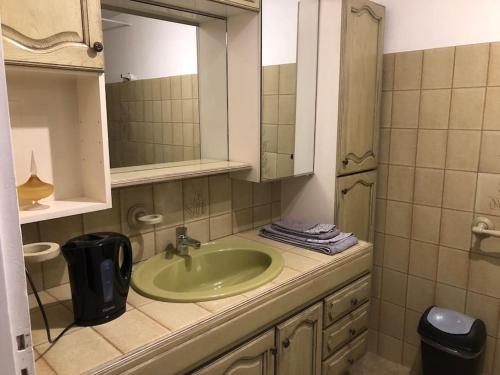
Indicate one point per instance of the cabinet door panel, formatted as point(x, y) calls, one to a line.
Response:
point(252, 358)
point(253, 4)
point(299, 343)
point(57, 33)
point(355, 201)
point(360, 87)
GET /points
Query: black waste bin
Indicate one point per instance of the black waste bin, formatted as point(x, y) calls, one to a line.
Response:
point(452, 343)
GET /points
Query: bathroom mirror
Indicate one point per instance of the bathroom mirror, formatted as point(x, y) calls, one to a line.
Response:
point(166, 86)
point(289, 69)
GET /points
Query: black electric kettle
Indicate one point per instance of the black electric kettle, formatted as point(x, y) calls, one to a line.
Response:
point(99, 265)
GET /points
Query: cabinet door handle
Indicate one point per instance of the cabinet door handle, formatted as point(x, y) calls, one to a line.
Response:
point(352, 331)
point(286, 343)
point(274, 351)
point(98, 47)
point(354, 302)
point(345, 162)
point(351, 361)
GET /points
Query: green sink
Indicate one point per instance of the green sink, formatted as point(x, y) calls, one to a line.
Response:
point(217, 270)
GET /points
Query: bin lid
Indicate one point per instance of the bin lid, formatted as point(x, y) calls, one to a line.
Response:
point(453, 330)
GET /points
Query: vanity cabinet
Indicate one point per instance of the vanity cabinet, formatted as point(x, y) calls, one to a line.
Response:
point(253, 358)
point(298, 342)
point(52, 33)
point(360, 85)
point(355, 201)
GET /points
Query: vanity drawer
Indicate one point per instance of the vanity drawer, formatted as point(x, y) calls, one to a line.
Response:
point(345, 330)
point(339, 363)
point(346, 300)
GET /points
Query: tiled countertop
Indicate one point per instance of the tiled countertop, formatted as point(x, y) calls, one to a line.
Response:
point(83, 349)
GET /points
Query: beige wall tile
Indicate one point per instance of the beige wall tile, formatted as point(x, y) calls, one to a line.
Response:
point(405, 107)
point(471, 65)
point(431, 152)
point(42, 367)
point(392, 319)
point(176, 87)
point(288, 79)
point(270, 109)
point(378, 248)
point(411, 357)
point(396, 253)
point(157, 111)
point(386, 109)
point(220, 194)
point(156, 89)
point(199, 230)
point(148, 111)
point(130, 197)
point(165, 239)
point(374, 313)
point(398, 221)
point(403, 146)
point(186, 86)
point(168, 202)
point(380, 214)
point(434, 109)
point(286, 110)
point(484, 308)
point(467, 108)
point(484, 275)
point(423, 259)
point(165, 88)
point(390, 348)
point(388, 72)
point(426, 222)
point(270, 138)
point(384, 144)
point(143, 246)
point(261, 193)
point(408, 70)
point(55, 272)
point(455, 229)
point(261, 215)
point(400, 183)
point(221, 226)
point(382, 179)
point(438, 68)
point(275, 211)
point(270, 79)
point(492, 109)
point(394, 286)
point(176, 110)
point(196, 199)
point(463, 150)
point(284, 165)
point(30, 233)
point(286, 139)
point(187, 110)
point(219, 304)
point(377, 282)
point(489, 355)
point(269, 165)
point(58, 316)
point(106, 220)
point(453, 267)
point(242, 220)
point(420, 293)
point(428, 186)
point(459, 188)
point(494, 66)
point(412, 319)
point(450, 297)
point(488, 194)
point(242, 194)
point(174, 316)
point(490, 152)
point(147, 86)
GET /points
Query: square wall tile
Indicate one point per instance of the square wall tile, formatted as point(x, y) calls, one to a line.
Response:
point(261, 215)
point(396, 253)
point(449, 297)
point(242, 220)
point(220, 194)
point(196, 198)
point(167, 198)
point(423, 259)
point(388, 72)
point(429, 186)
point(400, 183)
point(242, 194)
point(471, 65)
point(286, 110)
point(165, 88)
point(426, 222)
point(435, 109)
point(386, 109)
point(390, 348)
point(412, 319)
point(269, 165)
point(270, 79)
point(463, 150)
point(459, 190)
point(288, 79)
point(378, 249)
point(199, 230)
point(382, 175)
point(405, 107)
point(384, 145)
point(488, 194)
point(276, 191)
point(431, 151)
point(392, 319)
point(403, 146)
point(270, 109)
point(380, 214)
point(270, 138)
point(104, 221)
point(284, 165)
point(176, 87)
point(261, 194)
point(420, 293)
point(484, 308)
point(453, 267)
point(286, 139)
point(490, 152)
point(438, 68)
point(143, 246)
point(221, 226)
point(398, 220)
point(467, 108)
point(494, 68)
point(165, 239)
point(484, 275)
point(492, 109)
point(186, 87)
point(455, 229)
point(408, 70)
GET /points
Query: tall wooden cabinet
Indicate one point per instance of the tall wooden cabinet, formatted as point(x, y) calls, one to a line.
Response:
point(52, 33)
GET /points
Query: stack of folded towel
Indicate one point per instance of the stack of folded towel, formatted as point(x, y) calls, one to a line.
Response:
point(324, 238)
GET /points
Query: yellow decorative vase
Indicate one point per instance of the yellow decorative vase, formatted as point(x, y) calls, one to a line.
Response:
point(34, 189)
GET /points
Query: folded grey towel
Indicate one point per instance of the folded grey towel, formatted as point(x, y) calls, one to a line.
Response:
point(306, 230)
point(326, 248)
point(336, 235)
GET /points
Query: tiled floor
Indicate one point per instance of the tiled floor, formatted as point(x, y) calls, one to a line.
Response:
point(372, 364)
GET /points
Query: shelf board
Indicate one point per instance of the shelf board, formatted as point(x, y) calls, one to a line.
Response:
point(122, 177)
point(60, 208)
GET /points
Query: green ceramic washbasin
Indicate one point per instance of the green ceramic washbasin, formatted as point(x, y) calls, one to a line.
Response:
point(217, 270)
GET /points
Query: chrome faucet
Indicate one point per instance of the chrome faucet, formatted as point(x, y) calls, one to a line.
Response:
point(183, 242)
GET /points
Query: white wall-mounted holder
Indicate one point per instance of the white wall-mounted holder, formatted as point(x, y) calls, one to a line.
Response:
point(40, 251)
point(484, 227)
point(137, 217)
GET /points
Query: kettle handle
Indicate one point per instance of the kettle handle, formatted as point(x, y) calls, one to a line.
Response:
point(126, 268)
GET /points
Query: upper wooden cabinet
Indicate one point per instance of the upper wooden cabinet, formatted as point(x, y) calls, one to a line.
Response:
point(52, 33)
point(298, 342)
point(249, 4)
point(360, 85)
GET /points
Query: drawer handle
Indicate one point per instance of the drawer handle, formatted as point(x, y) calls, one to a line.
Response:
point(286, 343)
point(352, 331)
point(351, 361)
point(354, 302)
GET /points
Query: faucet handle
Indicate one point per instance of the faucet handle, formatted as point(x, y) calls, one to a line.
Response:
point(180, 231)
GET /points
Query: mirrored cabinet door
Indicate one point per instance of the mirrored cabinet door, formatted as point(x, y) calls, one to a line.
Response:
point(289, 67)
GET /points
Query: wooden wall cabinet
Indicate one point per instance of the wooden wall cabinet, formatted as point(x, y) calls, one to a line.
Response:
point(355, 201)
point(247, 4)
point(360, 85)
point(64, 34)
